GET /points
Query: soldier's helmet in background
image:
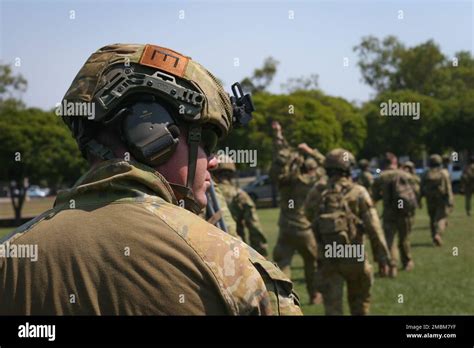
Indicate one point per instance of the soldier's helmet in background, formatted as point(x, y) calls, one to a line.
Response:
point(339, 159)
point(225, 163)
point(363, 164)
point(435, 160)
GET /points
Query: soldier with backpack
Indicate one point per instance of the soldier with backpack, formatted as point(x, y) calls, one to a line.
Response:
point(395, 187)
point(409, 167)
point(467, 183)
point(341, 213)
point(436, 187)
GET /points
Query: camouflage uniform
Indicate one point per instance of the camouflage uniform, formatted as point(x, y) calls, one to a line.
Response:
point(415, 181)
point(439, 199)
point(178, 264)
point(365, 178)
point(223, 213)
point(295, 232)
point(119, 242)
point(244, 212)
point(333, 272)
point(393, 220)
point(467, 183)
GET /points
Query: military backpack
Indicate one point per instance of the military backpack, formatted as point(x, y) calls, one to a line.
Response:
point(335, 222)
point(403, 195)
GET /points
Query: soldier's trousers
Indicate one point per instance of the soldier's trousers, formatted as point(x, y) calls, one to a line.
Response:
point(438, 212)
point(303, 242)
point(331, 276)
point(401, 225)
point(467, 197)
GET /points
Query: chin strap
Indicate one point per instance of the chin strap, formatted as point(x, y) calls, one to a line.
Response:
point(194, 138)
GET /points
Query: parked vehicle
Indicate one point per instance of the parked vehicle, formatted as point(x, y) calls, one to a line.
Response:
point(34, 191)
point(260, 189)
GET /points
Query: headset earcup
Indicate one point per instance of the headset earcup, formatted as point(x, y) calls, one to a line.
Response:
point(150, 132)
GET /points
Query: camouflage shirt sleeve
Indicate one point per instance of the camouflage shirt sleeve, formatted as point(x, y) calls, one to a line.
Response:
point(373, 227)
point(449, 188)
point(312, 202)
point(319, 157)
point(280, 171)
point(249, 284)
point(250, 218)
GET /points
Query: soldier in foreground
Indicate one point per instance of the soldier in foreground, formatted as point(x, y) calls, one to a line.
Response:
point(394, 187)
point(365, 178)
point(126, 240)
point(436, 187)
point(294, 175)
point(341, 213)
point(467, 184)
point(241, 206)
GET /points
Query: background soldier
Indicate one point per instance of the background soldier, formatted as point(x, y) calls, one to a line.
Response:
point(467, 183)
point(436, 187)
point(409, 167)
point(222, 215)
point(394, 187)
point(365, 178)
point(342, 212)
point(241, 206)
point(294, 181)
point(119, 242)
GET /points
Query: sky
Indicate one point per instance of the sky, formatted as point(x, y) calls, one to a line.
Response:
point(48, 41)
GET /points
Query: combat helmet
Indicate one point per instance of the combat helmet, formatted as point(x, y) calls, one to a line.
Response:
point(435, 160)
point(409, 165)
point(146, 93)
point(225, 163)
point(363, 164)
point(339, 159)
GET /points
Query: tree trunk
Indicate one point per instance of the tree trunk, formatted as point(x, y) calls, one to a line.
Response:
point(17, 198)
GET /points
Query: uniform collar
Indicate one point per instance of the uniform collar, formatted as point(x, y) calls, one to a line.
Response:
point(132, 177)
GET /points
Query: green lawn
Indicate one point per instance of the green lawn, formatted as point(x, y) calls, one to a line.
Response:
point(440, 283)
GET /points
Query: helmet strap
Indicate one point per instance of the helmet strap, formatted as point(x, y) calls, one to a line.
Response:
point(194, 139)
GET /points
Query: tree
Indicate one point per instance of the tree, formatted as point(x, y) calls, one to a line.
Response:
point(8, 85)
point(379, 62)
point(36, 146)
point(261, 78)
point(352, 122)
point(402, 135)
point(303, 117)
point(301, 83)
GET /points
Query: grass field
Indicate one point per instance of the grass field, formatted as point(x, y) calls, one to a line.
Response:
point(441, 283)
